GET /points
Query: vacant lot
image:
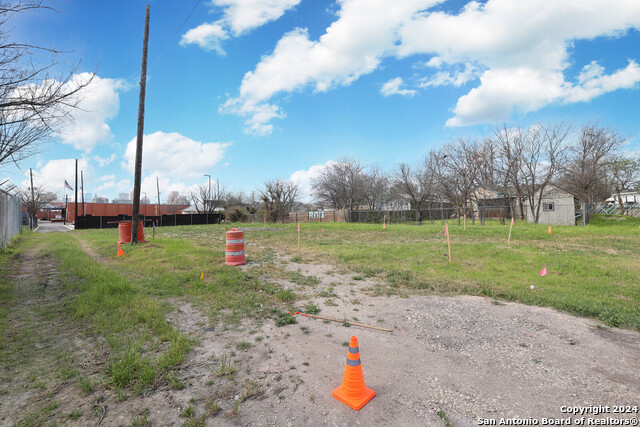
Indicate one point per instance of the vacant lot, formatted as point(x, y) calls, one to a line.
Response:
point(168, 335)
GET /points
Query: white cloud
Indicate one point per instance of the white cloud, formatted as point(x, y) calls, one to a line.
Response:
point(303, 178)
point(513, 41)
point(167, 185)
point(352, 46)
point(593, 82)
point(245, 15)
point(174, 155)
point(239, 17)
point(457, 76)
point(207, 36)
point(503, 43)
point(104, 186)
point(259, 115)
point(52, 175)
point(502, 92)
point(99, 103)
point(392, 87)
point(107, 178)
point(105, 161)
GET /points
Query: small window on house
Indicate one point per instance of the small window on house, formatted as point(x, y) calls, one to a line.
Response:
point(548, 207)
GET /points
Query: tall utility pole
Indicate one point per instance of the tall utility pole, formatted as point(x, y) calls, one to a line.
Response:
point(33, 203)
point(75, 214)
point(208, 195)
point(138, 172)
point(84, 210)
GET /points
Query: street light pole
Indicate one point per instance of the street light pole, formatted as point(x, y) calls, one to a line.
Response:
point(209, 192)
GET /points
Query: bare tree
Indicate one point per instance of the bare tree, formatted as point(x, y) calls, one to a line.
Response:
point(543, 152)
point(624, 173)
point(375, 187)
point(584, 174)
point(36, 200)
point(458, 172)
point(173, 197)
point(278, 198)
point(508, 165)
point(34, 103)
point(492, 178)
point(207, 200)
point(416, 183)
point(341, 184)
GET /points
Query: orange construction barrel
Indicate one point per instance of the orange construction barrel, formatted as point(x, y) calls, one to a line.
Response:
point(235, 247)
point(124, 228)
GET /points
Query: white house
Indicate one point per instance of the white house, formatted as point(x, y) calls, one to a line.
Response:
point(628, 198)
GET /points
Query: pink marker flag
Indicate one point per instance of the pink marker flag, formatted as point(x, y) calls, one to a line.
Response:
point(512, 221)
point(298, 226)
point(446, 230)
point(543, 272)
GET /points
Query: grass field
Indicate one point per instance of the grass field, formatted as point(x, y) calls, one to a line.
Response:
point(592, 272)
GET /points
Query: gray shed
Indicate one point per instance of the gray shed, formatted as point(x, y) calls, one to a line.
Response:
point(558, 207)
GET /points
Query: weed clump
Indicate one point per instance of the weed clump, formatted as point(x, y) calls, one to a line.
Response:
point(284, 319)
point(311, 309)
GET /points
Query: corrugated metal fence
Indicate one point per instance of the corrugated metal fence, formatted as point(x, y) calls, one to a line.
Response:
point(10, 217)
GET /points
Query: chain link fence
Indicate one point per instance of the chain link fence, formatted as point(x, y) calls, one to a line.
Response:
point(629, 210)
point(551, 213)
point(10, 217)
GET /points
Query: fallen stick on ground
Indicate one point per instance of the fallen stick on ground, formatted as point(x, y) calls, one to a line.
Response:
point(342, 321)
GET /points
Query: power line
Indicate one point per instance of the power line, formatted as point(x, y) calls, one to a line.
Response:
point(174, 35)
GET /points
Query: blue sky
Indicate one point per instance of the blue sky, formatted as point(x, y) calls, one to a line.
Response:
point(252, 90)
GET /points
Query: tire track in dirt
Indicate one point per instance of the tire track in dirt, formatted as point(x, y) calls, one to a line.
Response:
point(46, 352)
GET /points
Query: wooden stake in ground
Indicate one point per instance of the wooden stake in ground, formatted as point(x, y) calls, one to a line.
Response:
point(446, 233)
point(510, 227)
point(465, 222)
point(298, 238)
point(138, 166)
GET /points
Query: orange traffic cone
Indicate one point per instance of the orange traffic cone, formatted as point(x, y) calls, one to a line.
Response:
point(353, 392)
point(120, 251)
point(550, 230)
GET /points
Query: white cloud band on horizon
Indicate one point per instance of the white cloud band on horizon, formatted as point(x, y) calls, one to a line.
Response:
point(304, 177)
point(175, 159)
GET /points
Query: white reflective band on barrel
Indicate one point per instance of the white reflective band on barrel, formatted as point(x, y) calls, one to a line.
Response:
point(235, 253)
point(235, 241)
point(353, 362)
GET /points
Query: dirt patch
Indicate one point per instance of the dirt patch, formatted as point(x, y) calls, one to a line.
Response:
point(459, 358)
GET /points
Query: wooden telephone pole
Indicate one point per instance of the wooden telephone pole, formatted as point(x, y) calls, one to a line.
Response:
point(32, 211)
point(158, 187)
point(138, 172)
point(75, 213)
